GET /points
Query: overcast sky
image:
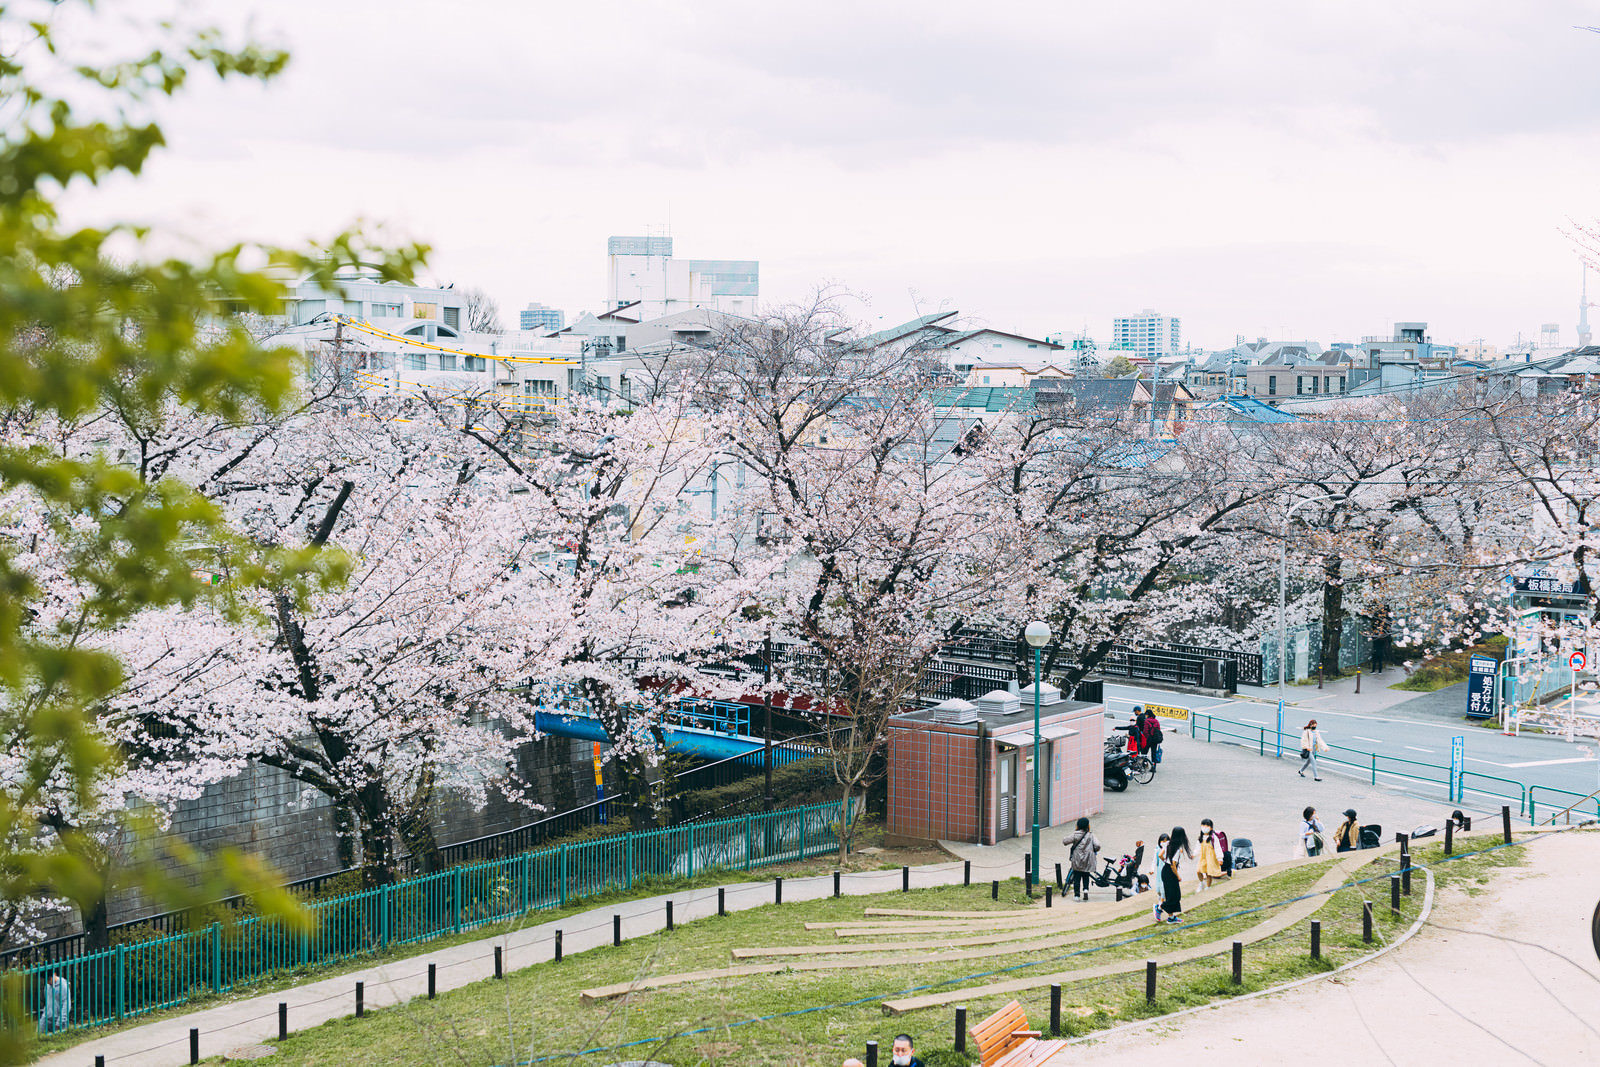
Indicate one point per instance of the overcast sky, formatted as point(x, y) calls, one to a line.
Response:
point(1294, 170)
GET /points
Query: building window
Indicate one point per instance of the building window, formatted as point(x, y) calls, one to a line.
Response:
point(416, 361)
point(602, 385)
point(424, 311)
point(539, 387)
point(392, 311)
point(447, 361)
point(622, 344)
point(1272, 385)
point(1341, 383)
point(452, 317)
point(627, 388)
point(476, 363)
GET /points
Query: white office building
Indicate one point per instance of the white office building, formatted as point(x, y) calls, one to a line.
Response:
point(1146, 334)
point(641, 271)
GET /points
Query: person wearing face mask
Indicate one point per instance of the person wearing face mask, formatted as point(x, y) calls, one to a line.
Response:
point(904, 1055)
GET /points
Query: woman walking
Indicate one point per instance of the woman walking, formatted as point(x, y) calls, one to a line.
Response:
point(1310, 744)
point(1082, 852)
point(1208, 866)
point(1171, 893)
point(1311, 832)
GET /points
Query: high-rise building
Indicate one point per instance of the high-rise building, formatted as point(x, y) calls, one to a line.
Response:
point(540, 317)
point(1146, 334)
point(643, 271)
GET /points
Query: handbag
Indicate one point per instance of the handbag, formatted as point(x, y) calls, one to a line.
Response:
point(1305, 753)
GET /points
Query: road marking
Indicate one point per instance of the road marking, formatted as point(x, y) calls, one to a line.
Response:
point(1374, 740)
point(1489, 762)
point(1550, 762)
point(1252, 722)
point(1414, 748)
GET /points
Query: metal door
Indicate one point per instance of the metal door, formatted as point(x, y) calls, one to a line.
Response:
point(1006, 793)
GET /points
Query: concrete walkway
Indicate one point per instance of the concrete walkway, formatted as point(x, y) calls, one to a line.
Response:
point(1506, 977)
point(1244, 794)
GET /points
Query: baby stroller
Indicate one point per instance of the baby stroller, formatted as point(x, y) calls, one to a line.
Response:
point(1371, 835)
point(1244, 853)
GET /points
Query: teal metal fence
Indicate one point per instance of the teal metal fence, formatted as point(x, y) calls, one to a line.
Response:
point(137, 978)
point(1373, 766)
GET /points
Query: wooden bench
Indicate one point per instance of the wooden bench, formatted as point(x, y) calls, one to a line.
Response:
point(1004, 1040)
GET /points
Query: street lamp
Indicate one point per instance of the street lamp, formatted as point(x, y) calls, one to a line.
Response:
point(1283, 578)
point(1037, 634)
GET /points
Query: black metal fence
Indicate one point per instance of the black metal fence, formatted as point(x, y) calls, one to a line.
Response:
point(1248, 664)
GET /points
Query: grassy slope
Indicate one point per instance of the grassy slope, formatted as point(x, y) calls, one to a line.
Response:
point(541, 1007)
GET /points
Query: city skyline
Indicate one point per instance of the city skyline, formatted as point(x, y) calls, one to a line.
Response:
point(1265, 172)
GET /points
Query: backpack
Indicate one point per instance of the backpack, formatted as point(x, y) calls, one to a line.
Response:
point(1154, 737)
point(1082, 856)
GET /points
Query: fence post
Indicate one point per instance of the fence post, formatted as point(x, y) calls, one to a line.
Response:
point(1150, 981)
point(1505, 821)
point(1316, 939)
point(1366, 922)
point(627, 864)
point(433, 973)
point(527, 875)
point(499, 962)
point(749, 841)
point(835, 883)
point(216, 957)
point(994, 889)
point(1449, 835)
point(122, 976)
point(361, 999)
point(722, 900)
point(455, 900)
point(283, 1021)
point(966, 872)
point(1055, 1010)
point(1394, 894)
point(1374, 768)
point(1238, 963)
point(558, 950)
point(961, 1028)
point(777, 890)
point(386, 902)
point(194, 1044)
point(563, 892)
point(905, 879)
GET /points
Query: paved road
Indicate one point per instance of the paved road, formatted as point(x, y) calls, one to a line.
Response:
point(1400, 732)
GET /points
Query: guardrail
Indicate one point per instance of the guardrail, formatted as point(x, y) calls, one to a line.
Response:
point(1533, 810)
point(1373, 765)
point(137, 978)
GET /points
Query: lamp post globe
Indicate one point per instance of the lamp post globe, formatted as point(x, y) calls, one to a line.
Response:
point(1037, 634)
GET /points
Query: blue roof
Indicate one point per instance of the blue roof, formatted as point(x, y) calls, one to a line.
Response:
point(1257, 411)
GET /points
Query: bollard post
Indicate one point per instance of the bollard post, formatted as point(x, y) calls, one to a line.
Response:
point(777, 890)
point(433, 970)
point(1405, 878)
point(1027, 882)
point(1150, 981)
point(361, 999)
point(1061, 887)
point(558, 946)
point(994, 889)
point(1505, 820)
point(1316, 939)
point(905, 879)
point(1358, 679)
point(499, 962)
point(283, 1024)
point(1119, 894)
point(1394, 894)
point(616, 931)
point(1049, 891)
point(1404, 841)
point(1055, 1010)
point(836, 883)
point(669, 915)
point(872, 1054)
point(722, 900)
point(961, 1028)
point(194, 1045)
point(1238, 963)
point(99, 1061)
point(966, 873)
point(1449, 837)
point(1366, 921)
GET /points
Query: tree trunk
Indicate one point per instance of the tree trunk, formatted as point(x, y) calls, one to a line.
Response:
point(377, 836)
point(346, 827)
point(1332, 613)
point(97, 924)
point(846, 824)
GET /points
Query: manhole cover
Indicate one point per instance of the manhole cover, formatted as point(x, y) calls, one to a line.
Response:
point(250, 1052)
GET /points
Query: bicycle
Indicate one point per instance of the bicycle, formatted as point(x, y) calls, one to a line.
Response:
point(1142, 769)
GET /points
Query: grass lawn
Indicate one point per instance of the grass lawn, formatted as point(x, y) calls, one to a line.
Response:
point(537, 1012)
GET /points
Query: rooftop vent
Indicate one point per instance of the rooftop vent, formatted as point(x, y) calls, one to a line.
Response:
point(999, 702)
point(956, 710)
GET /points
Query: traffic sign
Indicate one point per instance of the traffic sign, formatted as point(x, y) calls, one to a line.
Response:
point(1577, 661)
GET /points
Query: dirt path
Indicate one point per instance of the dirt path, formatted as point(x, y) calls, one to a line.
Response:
point(1506, 976)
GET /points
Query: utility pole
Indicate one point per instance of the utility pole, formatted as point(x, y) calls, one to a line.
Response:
point(766, 704)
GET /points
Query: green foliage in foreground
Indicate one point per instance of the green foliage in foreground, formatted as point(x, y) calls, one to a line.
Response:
point(90, 322)
point(537, 1011)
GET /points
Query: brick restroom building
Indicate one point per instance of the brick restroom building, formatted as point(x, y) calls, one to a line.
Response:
point(962, 771)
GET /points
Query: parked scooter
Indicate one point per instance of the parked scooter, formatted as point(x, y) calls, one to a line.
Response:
point(1122, 873)
point(1116, 769)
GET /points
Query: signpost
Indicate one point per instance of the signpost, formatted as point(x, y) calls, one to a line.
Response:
point(1458, 754)
point(1279, 735)
point(1576, 661)
point(1481, 672)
